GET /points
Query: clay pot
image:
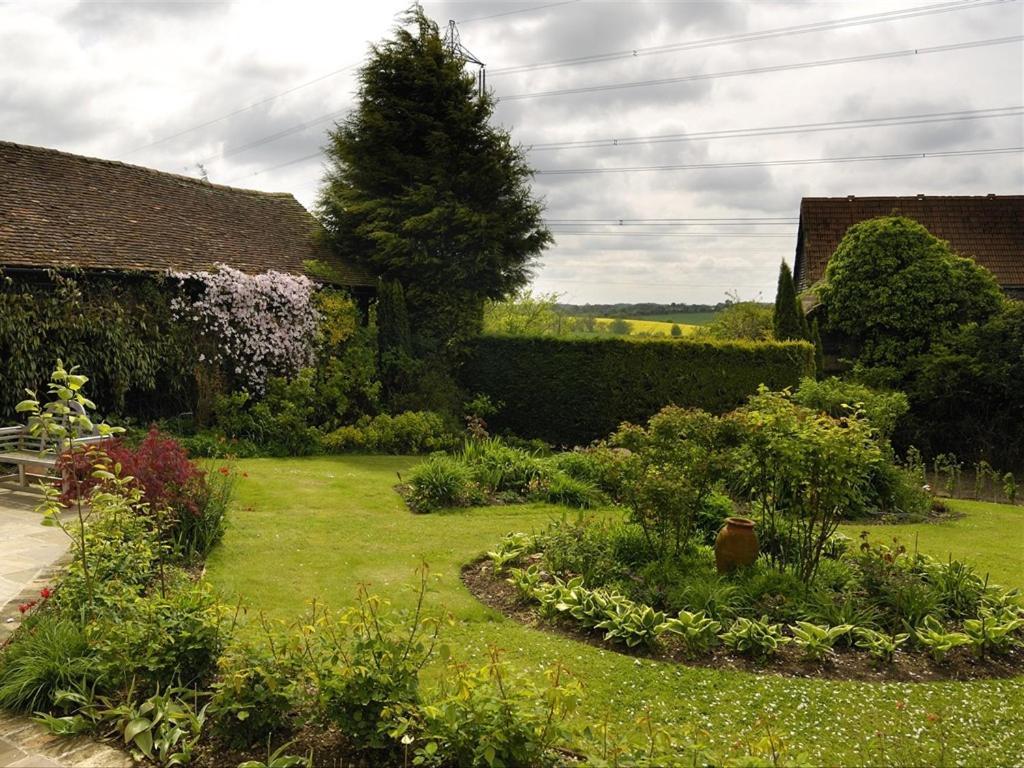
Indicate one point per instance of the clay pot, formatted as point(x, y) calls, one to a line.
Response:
point(736, 544)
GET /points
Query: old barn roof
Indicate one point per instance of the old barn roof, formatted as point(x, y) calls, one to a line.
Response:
point(989, 229)
point(59, 210)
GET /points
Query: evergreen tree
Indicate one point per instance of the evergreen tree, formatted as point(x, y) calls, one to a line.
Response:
point(394, 336)
point(819, 350)
point(422, 189)
point(788, 322)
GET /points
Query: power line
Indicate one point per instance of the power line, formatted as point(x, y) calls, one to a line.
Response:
point(860, 20)
point(764, 70)
point(672, 234)
point(777, 130)
point(300, 86)
point(274, 167)
point(298, 128)
point(800, 29)
point(240, 110)
point(768, 163)
point(626, 282)
point(781, 130)
point(753, 221)
point(521, 10)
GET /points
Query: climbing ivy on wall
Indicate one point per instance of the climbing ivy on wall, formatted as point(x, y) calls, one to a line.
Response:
point(119, 328)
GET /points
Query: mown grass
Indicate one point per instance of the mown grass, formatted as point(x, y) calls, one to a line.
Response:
point(318, 527)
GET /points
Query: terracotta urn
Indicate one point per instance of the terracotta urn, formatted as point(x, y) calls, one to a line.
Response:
point(736, 544)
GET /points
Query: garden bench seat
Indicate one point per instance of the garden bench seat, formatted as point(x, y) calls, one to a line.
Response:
point(33, 457)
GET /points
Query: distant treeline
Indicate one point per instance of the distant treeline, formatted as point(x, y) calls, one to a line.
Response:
point(637, 310)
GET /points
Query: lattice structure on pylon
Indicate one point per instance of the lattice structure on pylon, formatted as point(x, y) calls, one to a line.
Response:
point(454, 45)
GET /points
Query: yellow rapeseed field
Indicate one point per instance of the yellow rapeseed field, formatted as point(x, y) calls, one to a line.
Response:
point(649, 326)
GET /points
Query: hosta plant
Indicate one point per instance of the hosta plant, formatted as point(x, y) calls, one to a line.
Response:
point(164, 729)
point(933, 636)
point(993, 631)
point(817, 641)
point(511, 548)
point(632, 624)
point(697, 632)
point(526, 581)
point(754, 637)
point(880, 645)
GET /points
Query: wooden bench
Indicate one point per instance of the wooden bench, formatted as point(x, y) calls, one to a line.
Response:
point(34, 457)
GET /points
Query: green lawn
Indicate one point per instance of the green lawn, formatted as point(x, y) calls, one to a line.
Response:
point(316, 528)
point(989, 536)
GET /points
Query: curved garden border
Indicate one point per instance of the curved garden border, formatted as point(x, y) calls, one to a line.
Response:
point(961, 666)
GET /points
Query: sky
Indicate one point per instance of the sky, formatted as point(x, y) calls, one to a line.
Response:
point(698, 169)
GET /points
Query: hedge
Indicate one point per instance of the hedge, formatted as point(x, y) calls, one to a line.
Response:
point(573, 391)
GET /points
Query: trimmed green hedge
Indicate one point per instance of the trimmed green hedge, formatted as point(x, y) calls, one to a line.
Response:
point(572, 391)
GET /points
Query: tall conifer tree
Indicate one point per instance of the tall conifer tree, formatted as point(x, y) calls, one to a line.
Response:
point(788, 322)
point(421, 188)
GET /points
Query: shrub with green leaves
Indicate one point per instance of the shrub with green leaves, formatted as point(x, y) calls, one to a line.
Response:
point(893, 288)
point(754, 637)
point(364, 665)
point(252, 697)
point(882, 409)
point(804, 471)
point(403, 433)
point(170, 636)
point(674, 466)
point(495, 717)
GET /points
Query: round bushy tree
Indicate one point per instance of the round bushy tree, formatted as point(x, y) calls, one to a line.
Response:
point(893, 288)
point(421, 188)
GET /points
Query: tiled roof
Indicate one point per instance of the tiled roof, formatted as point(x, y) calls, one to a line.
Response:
point(988, 229)
point(59, 210)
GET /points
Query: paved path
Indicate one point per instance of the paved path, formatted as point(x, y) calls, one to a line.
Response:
point(30, 555)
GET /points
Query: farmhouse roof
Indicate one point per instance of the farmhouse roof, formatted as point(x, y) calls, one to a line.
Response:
point(989, 229)
point(59, 210)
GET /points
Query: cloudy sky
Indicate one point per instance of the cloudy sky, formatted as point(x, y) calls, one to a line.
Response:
point(247, 89)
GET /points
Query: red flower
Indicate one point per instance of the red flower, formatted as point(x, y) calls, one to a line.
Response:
point(26, 607)
point(223, 470)
point(46, 592)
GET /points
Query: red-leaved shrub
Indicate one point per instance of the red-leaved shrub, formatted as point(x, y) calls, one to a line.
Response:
point(162, 469)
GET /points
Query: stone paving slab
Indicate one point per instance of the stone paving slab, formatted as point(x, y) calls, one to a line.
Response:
point(30, 553)
point(27, 744)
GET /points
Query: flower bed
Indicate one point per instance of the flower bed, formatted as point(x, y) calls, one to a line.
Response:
point(896, 615)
